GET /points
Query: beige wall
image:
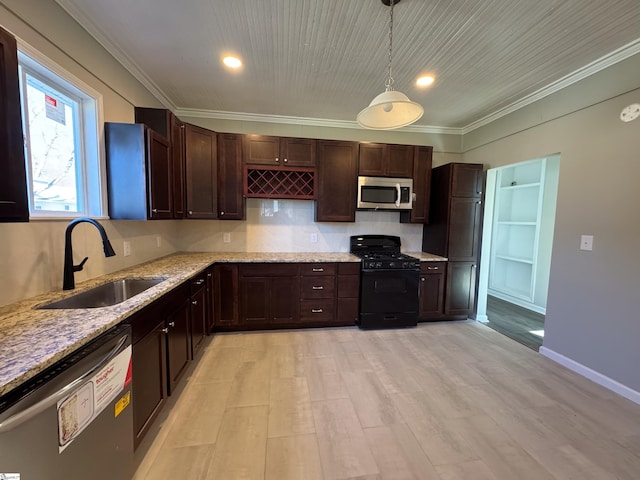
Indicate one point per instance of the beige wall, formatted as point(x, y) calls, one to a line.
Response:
point(592, 313)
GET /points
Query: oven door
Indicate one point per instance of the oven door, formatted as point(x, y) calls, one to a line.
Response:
point(389, 298)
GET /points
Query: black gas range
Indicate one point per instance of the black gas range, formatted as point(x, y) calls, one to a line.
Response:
point(389, 282)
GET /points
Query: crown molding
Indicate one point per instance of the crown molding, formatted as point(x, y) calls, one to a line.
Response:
point(592, 68)
point(96, 32)
point(313, 122)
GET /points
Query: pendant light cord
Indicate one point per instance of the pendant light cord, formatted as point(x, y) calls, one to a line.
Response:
point(389, 83)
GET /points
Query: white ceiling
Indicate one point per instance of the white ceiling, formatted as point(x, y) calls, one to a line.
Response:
point(327, 59)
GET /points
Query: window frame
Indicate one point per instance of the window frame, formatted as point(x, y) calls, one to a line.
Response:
point(92, 189)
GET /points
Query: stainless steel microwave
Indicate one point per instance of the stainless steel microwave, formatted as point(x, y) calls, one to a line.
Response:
point(385, 193)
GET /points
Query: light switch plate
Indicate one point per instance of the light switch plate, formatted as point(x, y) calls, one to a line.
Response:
point(313, 238)
point(126, 246)
point(586, 242)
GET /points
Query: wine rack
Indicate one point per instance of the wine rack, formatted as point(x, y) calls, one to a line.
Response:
point(277, 182)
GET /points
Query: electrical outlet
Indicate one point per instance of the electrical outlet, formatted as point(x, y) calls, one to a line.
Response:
point(127, 248)
point(313, 238)
point(226, 237)
point(158, 241)
point(586, 242)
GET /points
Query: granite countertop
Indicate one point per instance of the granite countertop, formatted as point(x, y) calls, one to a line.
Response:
point(32, 340)
point(427, 257)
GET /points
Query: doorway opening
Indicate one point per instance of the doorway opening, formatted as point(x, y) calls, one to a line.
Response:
point(517, 236)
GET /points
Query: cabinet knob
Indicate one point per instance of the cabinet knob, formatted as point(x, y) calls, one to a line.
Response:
point(209, 274)
point(154, 210)
point(195, 302)
point(422, 279)
point(317, 287)
point(479, 202)
point(316, 310)
point(165, 330)
point(172, 324)
point(190, 212)
point(221, 214)
point(277, 159)
point(285, 160)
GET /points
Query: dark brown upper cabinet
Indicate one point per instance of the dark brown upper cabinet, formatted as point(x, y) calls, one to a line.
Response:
point(139, 172)
point(337, 181)
point(230, 198)
point(456, 207)
point(14, 206)
point(201, 173)
point(385, 160)
point(421, 187)
point(171, 127)
point(279, 151)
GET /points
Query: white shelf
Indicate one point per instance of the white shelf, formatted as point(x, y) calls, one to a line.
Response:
point(514, 259)
point(526, 224)
point(519, 186)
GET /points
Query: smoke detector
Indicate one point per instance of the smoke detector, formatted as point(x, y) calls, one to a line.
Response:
point(630, 112)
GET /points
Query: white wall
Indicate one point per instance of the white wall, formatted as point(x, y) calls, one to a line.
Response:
point(592, 314)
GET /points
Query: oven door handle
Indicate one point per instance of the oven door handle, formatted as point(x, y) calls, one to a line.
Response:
point(398, 195)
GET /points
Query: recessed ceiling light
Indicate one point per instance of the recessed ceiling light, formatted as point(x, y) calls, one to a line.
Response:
point(232, 62)
point(425, 81)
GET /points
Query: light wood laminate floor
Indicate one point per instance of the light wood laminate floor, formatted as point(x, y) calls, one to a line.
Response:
point(443, 401)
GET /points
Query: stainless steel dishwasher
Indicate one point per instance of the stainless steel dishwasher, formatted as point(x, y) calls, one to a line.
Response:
point(74, 420)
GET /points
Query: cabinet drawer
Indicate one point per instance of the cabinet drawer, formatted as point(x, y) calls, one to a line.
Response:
point(321, 286)
point(269, 270)
point(348, 286)
point(433, 267)
point(318, 269)
point(198, 282)
point(317, 310)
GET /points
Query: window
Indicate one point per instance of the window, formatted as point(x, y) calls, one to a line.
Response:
point(61, 123)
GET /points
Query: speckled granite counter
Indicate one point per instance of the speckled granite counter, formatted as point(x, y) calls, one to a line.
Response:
point(427, 257)
point(32, 340)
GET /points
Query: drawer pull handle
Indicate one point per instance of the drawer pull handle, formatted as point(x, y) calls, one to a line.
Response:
point(316, 310)
point(195, 302)
point(199, 281)
point(172, 324)
point(165, 330)
point(317, 287)
point(317, 269)
point(432, 268)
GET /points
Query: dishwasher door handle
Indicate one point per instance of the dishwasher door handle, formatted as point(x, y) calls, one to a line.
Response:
point(33, 410)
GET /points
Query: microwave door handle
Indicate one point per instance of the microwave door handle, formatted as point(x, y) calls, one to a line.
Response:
point(398, 195)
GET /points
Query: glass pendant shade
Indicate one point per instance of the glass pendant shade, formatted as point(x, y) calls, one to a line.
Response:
point(389, 110)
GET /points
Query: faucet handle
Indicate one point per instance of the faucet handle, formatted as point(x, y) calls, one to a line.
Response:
point(77, 268)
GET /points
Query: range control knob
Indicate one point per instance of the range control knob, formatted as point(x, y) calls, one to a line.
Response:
point(392, 264)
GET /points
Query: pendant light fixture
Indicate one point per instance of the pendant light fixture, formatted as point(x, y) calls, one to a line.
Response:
point(391, 109)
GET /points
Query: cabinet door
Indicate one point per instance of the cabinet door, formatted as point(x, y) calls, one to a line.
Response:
point(460, 290)
point(14, 206)
point(298, 152)
point(198, 309)
point(261, 150)
point(464, 228)
point(432, 285)
point(337, 181)
point(178, 344)
point(399, 162)
point(149, 373)
point(211, 310)
point(225, 298)
point(178, 162)
point(160, 176)
point(255, 300)
point(285, 300)
point(230, 198)
point(467, 180)
point(371, 161)
point(421, 187)
point(201, 172)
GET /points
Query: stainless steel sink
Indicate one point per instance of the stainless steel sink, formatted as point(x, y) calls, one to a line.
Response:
point(105, 295)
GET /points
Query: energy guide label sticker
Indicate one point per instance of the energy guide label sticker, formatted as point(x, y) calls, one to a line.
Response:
point(121, 404)
point(80, 408)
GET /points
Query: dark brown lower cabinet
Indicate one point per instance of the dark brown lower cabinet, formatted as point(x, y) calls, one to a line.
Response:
point(160, 354)
point(460, 290)
point(432, 285)
point(199, 312)
point(266, 293)
point(347, 303)
point(149, 370)
point(225, 295)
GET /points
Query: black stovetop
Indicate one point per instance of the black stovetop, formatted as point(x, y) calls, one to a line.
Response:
point(381, 252)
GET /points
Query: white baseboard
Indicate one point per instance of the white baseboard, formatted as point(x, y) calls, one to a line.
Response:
point(482, 318)
point(592, 375)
